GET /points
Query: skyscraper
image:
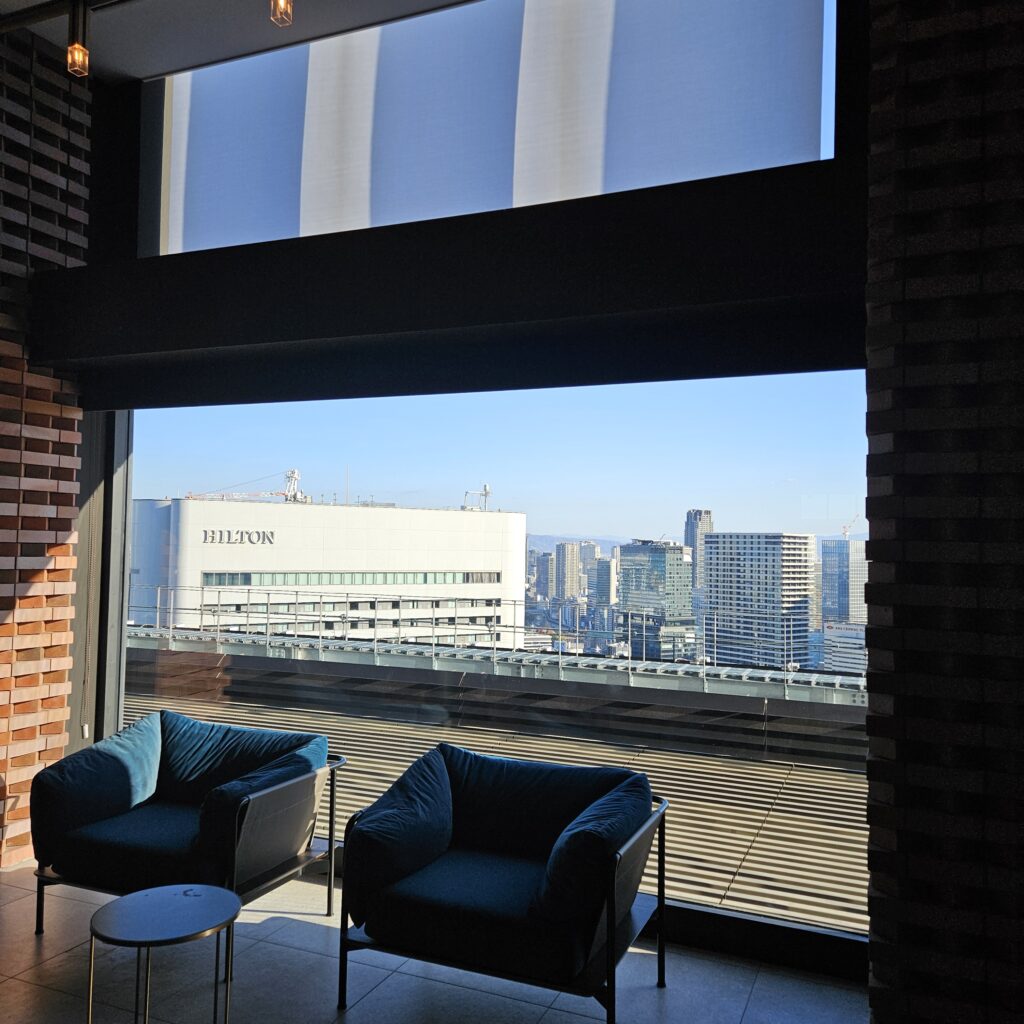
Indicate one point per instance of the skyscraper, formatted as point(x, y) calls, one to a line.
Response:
point(758, 593)
point(654, 578)
point(844, 572)
point(589, 553)
point(567, 570)
point(602, 588)
point(698, 524)
point(546, 575)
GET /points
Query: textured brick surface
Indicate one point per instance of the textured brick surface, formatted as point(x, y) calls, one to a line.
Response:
point(44, 164)
point(946, 504)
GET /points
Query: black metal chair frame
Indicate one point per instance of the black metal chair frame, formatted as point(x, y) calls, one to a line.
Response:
point(615, 933)
point(259, 816)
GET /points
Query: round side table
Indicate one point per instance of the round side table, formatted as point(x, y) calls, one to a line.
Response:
point(166, 916)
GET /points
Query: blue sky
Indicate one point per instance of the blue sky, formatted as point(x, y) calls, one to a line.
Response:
point(764, 453)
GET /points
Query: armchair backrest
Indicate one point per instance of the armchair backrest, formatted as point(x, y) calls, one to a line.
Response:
point(520, 807)
point(197, 757)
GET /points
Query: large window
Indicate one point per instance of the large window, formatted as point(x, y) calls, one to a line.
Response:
point(668, 576)
point(492, 105)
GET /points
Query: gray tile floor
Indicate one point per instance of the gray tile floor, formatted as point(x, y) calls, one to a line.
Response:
point(286, 971)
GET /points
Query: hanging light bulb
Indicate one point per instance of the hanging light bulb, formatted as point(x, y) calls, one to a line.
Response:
point(281, 12)
point(78, 54)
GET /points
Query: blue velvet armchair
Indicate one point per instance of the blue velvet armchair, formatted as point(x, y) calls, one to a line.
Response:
point(516, 869)
point(172, 800)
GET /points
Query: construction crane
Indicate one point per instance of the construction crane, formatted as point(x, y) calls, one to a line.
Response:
point(846, 528)
point(291, 493)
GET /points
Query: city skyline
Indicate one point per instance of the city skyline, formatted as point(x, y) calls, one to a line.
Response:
point(765, 453)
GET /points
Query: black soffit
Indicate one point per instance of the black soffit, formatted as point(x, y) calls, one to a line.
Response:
point(142, 39)
point(675, 344)
point(752, 274)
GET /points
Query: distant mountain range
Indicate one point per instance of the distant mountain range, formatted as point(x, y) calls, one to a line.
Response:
point(547, 542)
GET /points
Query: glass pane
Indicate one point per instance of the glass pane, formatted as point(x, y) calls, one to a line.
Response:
point(703, 622)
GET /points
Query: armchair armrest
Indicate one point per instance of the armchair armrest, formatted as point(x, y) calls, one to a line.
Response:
point(283, 791)
point(101, 781)
point(277, 823)
point(631, 858)
point(625, 873)
point(404, 830)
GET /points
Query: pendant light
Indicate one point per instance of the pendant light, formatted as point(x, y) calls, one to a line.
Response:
point(281, 12)
point(78, 53)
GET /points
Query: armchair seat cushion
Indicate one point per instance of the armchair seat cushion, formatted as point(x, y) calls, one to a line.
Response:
point(472, 908)
point(152, 844)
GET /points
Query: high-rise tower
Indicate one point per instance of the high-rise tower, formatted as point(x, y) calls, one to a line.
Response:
point(844, 573)
point(567, 570)
point(759, 588)
point(698, 524)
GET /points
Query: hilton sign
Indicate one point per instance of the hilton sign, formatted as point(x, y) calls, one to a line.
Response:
point(238, 536)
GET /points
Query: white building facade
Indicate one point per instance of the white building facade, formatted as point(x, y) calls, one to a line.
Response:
point(759, 590)
point(845, 650)
point(338, 571)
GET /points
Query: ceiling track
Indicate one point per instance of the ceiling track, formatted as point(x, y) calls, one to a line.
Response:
point(30, 16)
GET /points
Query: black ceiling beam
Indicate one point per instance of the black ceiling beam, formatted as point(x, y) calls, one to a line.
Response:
point(792, 336)
point(635, 262)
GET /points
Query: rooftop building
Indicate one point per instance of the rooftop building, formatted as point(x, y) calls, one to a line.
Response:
point(350, 569)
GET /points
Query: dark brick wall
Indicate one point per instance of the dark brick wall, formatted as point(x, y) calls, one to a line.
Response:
point(945, 489)
point(44, 171)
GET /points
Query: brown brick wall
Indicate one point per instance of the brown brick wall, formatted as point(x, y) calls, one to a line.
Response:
point(44, 168)
point(946, 504)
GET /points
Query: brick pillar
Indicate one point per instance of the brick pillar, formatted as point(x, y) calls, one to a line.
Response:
point(44, 154)
point(946, 504)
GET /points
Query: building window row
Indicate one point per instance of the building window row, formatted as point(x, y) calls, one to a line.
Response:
point(344, 579)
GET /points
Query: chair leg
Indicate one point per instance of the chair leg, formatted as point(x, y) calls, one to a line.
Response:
point(610, 959)
point(330, 852)
point(661, 950)
point(661, 902)
point(343, 956)
point(40, 900)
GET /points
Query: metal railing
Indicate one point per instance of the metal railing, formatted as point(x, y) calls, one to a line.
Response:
point(450, 632)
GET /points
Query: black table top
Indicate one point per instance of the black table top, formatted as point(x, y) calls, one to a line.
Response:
point(165, 916)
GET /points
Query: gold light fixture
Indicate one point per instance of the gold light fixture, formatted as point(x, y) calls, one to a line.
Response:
point(78, 54)
point(281, 12)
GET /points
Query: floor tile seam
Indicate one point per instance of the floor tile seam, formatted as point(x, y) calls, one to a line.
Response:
point(750, 995)
point(472, 988)
point(74, 899)
point(269, 940)
point(260, 924)
point(166, 995)
point(11, 903)
point(97, 1002)
point(373, 988)
point(49, 959)
point(574, 1013)
point(17, 885)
